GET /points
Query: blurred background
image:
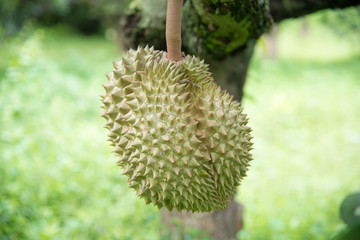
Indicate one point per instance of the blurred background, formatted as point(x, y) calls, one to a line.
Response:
point(58, 178)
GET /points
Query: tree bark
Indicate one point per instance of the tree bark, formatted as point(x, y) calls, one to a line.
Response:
point(217, 224)
point(230, 73)
point(281, 9)
point(224, 34)
point(216, 29)
point(271, 42)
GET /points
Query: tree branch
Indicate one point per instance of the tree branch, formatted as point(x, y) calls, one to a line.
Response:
point(215, 29)
point(282, 9)
point(173, 29)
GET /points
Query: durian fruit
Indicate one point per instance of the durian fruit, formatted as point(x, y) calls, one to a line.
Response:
point(181, 141)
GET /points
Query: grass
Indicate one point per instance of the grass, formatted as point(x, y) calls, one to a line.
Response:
point(58, 175)
point(305, 112)
point(307, 137)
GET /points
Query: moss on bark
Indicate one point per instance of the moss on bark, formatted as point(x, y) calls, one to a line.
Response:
point(215, 29)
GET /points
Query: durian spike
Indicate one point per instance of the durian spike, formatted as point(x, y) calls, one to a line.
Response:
point(173, 30)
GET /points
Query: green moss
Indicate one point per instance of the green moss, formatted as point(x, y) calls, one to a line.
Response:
point(223, 27)
point(291, 5)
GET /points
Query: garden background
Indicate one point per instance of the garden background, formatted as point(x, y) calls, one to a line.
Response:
point(58, 176)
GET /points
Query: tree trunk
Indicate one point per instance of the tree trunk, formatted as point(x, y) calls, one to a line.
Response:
point(271, 42)
point(220, 225)
point(230, 73)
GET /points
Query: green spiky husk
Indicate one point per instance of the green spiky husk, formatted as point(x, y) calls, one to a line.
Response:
point(182, 142)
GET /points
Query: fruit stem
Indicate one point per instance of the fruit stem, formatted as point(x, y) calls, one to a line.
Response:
point(173, 30)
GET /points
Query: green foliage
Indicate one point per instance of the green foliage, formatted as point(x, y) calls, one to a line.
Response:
point(58, 176)
point(13, 14)
point(86, 16)
point(343, 21)
point(350, 214)
point(349, 210)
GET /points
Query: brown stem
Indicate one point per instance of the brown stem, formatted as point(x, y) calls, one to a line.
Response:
point(173, 30)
